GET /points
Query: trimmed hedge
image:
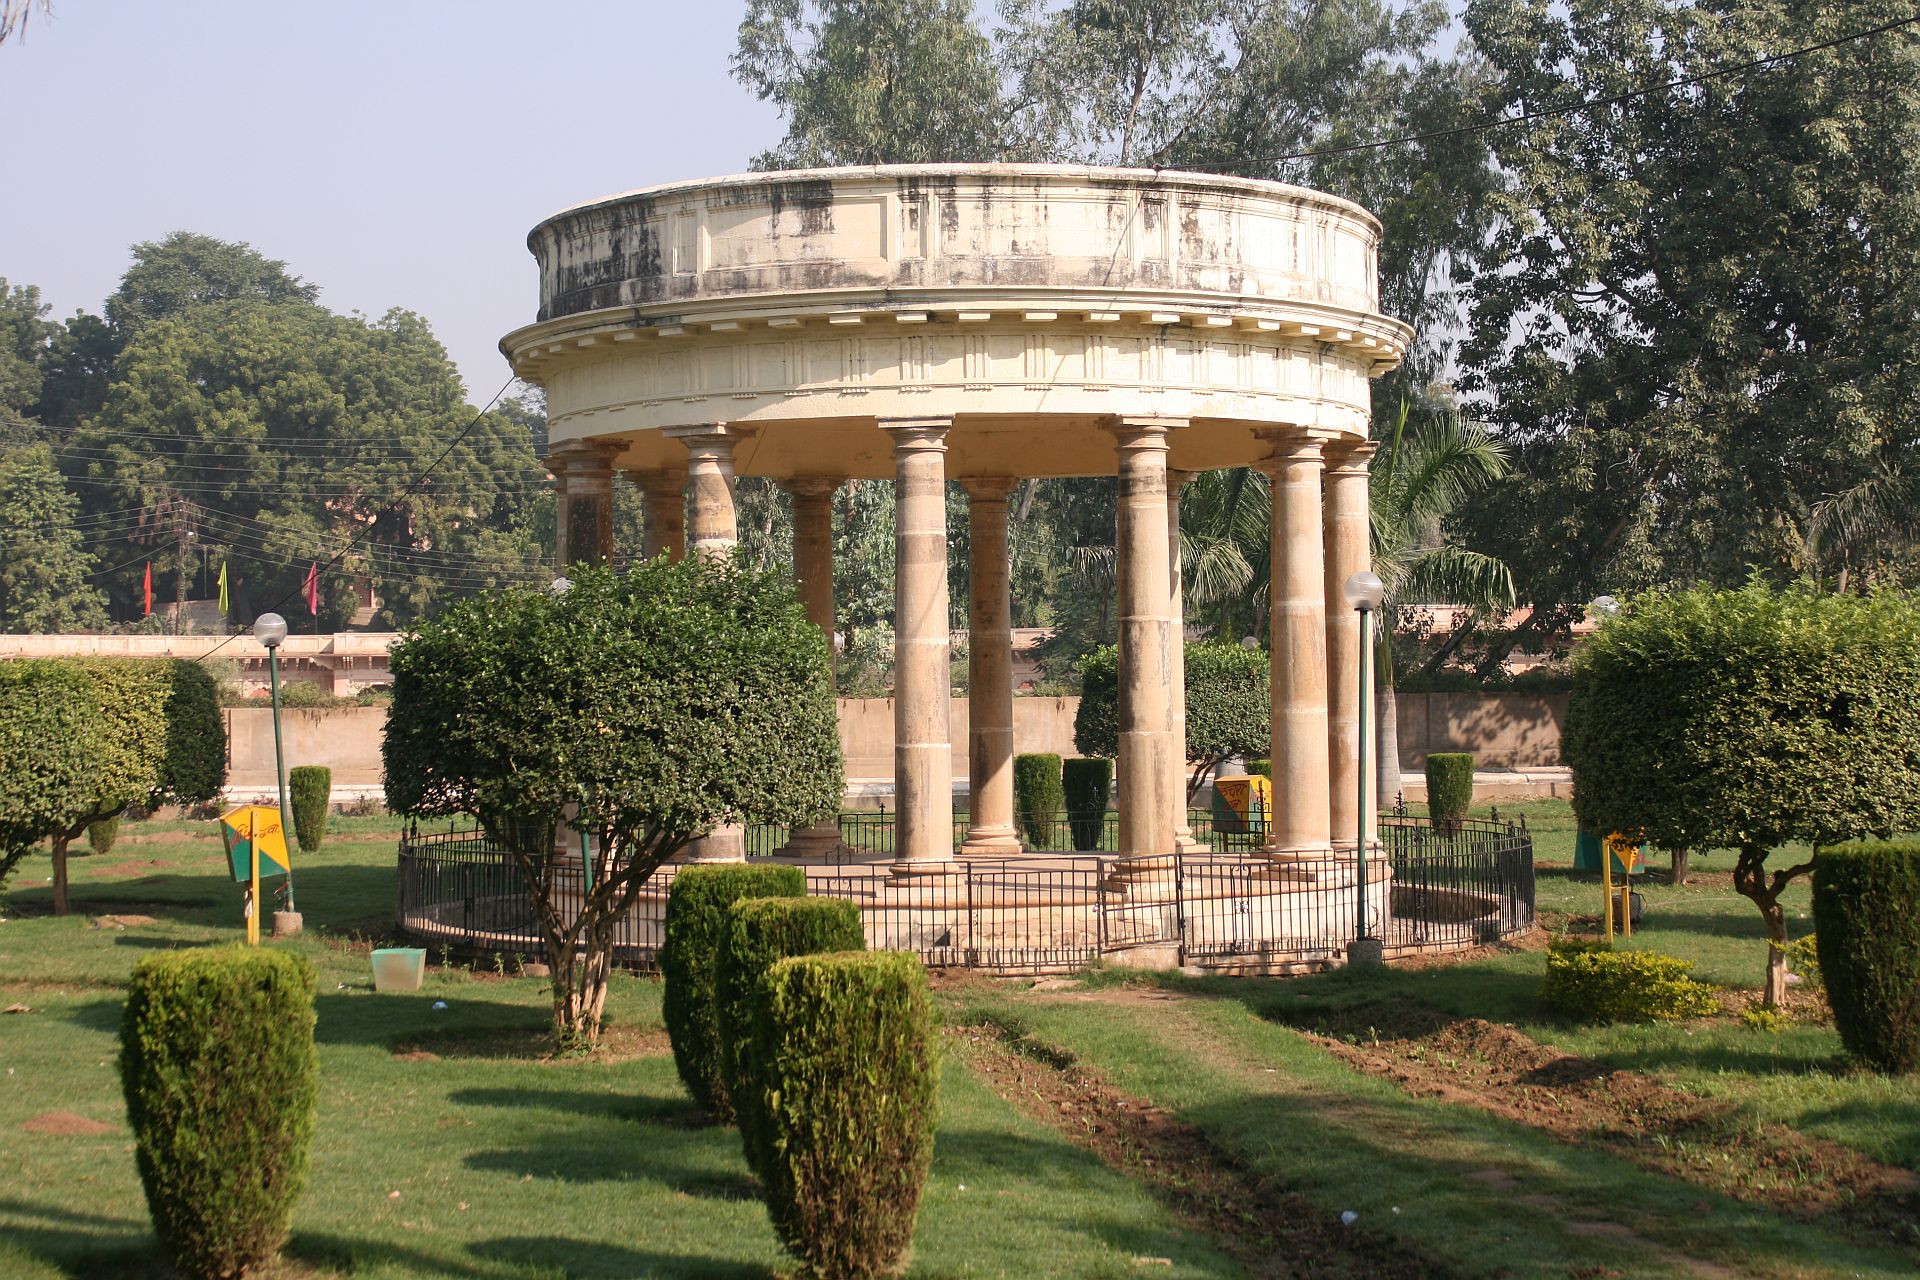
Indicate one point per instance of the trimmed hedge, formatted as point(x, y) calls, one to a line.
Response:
point(1590, 982)
point(1086, 783)
point(844, 1071)
point(757, 932)
point(697, 904)
point(1262, 768)
point(1449, 788)
point(309, 793)
point(102, 834)
point(1866, 916)
point(1037, 795)
point(50, 738)
point(218, 1067)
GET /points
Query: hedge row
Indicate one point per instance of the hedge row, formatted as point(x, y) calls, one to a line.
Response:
point(1866, 916)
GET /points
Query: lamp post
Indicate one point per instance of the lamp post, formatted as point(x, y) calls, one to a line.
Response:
point(1364, 591)
point(270, 629)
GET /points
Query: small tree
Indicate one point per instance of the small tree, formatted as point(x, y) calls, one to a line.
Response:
point(1229, 693)
point(50, 735)
point(643, 708)
point(309, 792)
point(1747, 720)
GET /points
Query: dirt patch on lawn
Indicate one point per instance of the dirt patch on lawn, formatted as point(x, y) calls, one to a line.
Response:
point(1578, 1100)
point(123, 921)
point(1269, 1229)
point(531, 1044)
point(66, 1124)
point(133, 867)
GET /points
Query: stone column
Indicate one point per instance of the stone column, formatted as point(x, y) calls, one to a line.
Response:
point(1183, 837)
point(664, 513)
point(1348, 540)
point(1300, 820)
point(1146, 640)
point(813, 574)
point(922, 746)
point(583, 502)
point(990, 830)
point(713, 532)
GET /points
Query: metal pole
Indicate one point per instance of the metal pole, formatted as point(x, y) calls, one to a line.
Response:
point(1360, 843)
point(279, 766)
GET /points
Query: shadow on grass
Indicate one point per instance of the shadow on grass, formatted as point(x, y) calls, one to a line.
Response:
point(82, 1245)
point(578, 1258)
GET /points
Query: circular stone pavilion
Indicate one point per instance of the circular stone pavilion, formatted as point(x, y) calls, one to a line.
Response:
point(983, 324)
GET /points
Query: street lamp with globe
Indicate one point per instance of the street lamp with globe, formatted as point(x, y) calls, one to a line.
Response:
point(270, 629)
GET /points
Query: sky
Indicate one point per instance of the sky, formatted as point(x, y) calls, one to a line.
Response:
point(393, 152)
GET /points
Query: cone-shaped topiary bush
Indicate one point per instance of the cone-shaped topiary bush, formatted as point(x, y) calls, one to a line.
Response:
point(844, 1071)
point(309, 792)
point(757, 932)
point(697, 905)
point(1866, 919)
point(218, 1066)
point(1449, 788)
point(102, 834)
point(1037, 796)
point(1087, 782)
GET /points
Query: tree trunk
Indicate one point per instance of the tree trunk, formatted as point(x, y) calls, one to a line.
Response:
point(1776, 994)
point(60, 905)
point(1681, 857)
point(1387, 746)
point(1750, 879)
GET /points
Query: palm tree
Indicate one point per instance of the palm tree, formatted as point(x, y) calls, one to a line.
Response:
point(1424, 470)
point(1421, 475)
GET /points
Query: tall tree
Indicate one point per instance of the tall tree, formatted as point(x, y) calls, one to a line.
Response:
point(1694, 320)
point(44, 567)
point(25, 336)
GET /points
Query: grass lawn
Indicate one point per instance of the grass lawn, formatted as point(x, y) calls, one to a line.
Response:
point(1110, 1126)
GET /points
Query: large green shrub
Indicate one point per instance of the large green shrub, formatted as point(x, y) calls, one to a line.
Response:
point(646, 707)
point(1037, 796)
point(50, 735)
point(1229, 693)
point(844, 1069)
point(1866, 916)
point(1748, 720)
point(757, 932)
point(1449, 788)
point(309, 795)
point(195, 766)
point(1086, 782)
point(697, 918)
point(218, 1066)
point(1591, 982)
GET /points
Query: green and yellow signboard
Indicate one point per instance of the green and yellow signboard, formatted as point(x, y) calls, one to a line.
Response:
point(250, 827)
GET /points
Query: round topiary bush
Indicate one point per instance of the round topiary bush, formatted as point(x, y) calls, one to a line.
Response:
point(1086, 783)
point(844, 1069)
point(218, 1066)
point(697, 904)
point(309, 793)
point(1037, 796)
point(1866, 918)
point(1449, 788)
point(757, 932)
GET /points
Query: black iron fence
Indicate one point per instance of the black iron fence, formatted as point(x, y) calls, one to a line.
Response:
point(1420, 889)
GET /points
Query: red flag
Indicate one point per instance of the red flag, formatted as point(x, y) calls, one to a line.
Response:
point(313, 589)
point(146, 610)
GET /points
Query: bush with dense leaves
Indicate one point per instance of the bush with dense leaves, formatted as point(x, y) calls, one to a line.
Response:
point(1037, 796)
point(1229, 695)
point(1449, 788)
point(697, 917)
point(844, 1070)
point(1591, 982)
point(217, 1063)
point(102, 834)
point(1086, 783)
point(309, 794)
point(757, 932)
point(1749, 720)
point(1866, 915)
point(49, 740)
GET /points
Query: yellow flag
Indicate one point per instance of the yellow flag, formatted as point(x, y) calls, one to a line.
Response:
point(223, 586)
